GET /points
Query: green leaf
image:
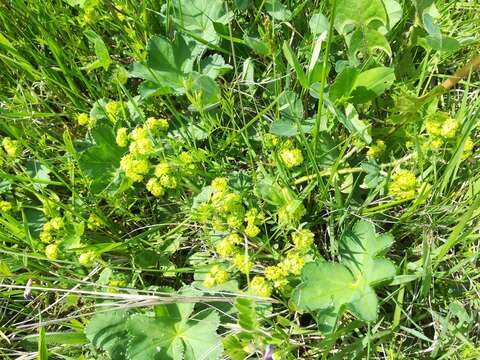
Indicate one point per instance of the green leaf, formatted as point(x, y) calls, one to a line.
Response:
point(101, 51)
point(168, 62)
point(355, 125)
point(358, 13)
point(101, 162)
point(257, 45)
point(173, 335)
point(277, 10)
point(199, 16)
point(328, 288)
point(367, 40)
point(214, 66)
point(108, 331)
point(42, 345)
point(318, 24)
point(344, 84)
point(37, 170)
point(372, 83)
point(293, 61)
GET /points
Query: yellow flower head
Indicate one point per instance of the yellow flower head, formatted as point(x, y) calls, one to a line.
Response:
point(449, 128)
point(403, 184)
point(260, 286)
point(134, 168)
point(87, 258)
point(234, 222)
point(11, 147)
point(162, 169)
point(225, 248)
point(141, 146)
point(467, 148)
point(85, 120)
point(56, 223)
point(112, 108)
point(168, 181)
point(216, 276)
point(219, 184)
point(5, 206)
point(242, 263)
point(51, 251)
point(293, 263)
point(291, 157)
point(45, 236)
point(156, 125)
point(275, 273)
point(94, 222)
point(139, 133)
point(154, 186)
point(252, 230)
point(122, 137)
point(377, 149)
point(186, 157)
point(302, 240)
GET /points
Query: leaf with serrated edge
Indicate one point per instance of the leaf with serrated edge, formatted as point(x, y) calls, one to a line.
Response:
point(330, 287)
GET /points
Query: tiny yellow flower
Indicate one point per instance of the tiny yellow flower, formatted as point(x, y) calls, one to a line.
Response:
point(216, 276)
point(377, 149)
point(293, 263)
point(11, 147)
point(252, 230)
point(291, 157)
point(45, 237)
point(5, 206)
point(260, 286)
point(94, 222)
point(275, 273)
point(436, 143)
point(141, 146)
point(56, 223)
point(449, 128)
point(156, 125)
point(168, 181)
point(403, 184)
point(139, 133)
point(234, 222)
point(225, 247)
point(112, 108)
point(242, 263)
point(162, 169)
point(302, 240)
point(87, 258)
point(122, 137)
point(270, 141)
point(51, 251)
point(84, 119)
point(154, 186)
point(467, 148)
point(186, 157)
point(219, 184)
point(134, 168)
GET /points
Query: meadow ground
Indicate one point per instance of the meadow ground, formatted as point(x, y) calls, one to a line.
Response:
point(239, 179)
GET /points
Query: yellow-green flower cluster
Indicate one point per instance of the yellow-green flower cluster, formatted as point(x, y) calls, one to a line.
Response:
point(94, 222)
point(242, 262)
point(302, 240)
point(292, 264)
point(377, 149)
point(11, 147)
point(122, 137)
point(253, 218)
point(141, 143)
point(291, 157)
point(112, 108)
point(259, 286)
point(227, 246)
point(5, 206)
point(441, 127)
point(291, 213)
point(156, 126)
point(163, 180)
point(270, 141)
point(85, 120)
point(134, 168)
point(403, 185)
point(87, 258)
point(52, 251)
point(216, 276)
point(51, 226)
point(467, 148)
